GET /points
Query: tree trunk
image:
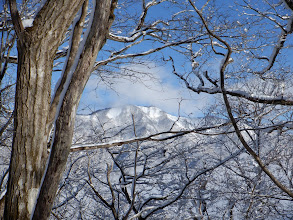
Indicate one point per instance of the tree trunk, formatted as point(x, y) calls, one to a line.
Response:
point(64, 126)
point(36, 46)
point(29, 151)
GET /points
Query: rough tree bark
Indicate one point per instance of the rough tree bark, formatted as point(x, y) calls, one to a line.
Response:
point(37, 46)
point(102, 19)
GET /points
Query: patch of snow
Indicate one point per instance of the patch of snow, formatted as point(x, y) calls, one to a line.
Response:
point(152, 112)
point(27, 22)
point(194, 64)
point(20, 183)
point(63, 49)
point(40, 72)
point(21, 205)
point(32, 196)
point(172, 117)
point(3, 194)
point(231, 60)
point(290, 24)
point(114, 112)
point(215, 43)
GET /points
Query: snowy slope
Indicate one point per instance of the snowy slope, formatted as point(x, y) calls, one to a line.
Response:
point(119, 123)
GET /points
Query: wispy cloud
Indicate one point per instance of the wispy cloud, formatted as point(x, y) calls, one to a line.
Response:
point(157, 88)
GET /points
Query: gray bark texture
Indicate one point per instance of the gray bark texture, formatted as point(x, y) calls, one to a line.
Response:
point(37, 46)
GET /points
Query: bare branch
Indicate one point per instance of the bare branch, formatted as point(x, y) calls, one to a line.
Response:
point(275, 53)
point(223, 66)
point(104, 62)
point(16, 20)
point(75, 148)
point(192, 179)
point(71, 56)
point(236, 93)
point(265, 15)
point(143, 15)
point(4, 127)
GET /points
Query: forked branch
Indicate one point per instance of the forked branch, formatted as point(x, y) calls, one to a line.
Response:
point(223, 66)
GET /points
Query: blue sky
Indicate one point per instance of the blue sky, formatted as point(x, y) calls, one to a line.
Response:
point(166, 92)
point(163, 90)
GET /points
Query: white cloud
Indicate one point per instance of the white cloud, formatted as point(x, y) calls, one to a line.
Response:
point(157, 88)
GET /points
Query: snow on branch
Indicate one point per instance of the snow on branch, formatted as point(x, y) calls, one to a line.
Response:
point(27, 22)
point(161, 136)
point(139, 30)
point(125, 39)
point(167, 135)
point(72, 58)
point(264, 99)
point(137, 33)
point(146, 7)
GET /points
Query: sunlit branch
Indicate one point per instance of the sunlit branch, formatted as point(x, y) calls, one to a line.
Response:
point(175, 134)
point(126, 48)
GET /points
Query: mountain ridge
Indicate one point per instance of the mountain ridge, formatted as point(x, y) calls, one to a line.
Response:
point(145, 120)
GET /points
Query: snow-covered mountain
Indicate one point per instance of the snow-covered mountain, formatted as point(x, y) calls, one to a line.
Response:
point(201, 175)
point(126, 122)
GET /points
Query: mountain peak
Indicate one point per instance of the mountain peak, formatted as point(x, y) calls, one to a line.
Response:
point(119, 122)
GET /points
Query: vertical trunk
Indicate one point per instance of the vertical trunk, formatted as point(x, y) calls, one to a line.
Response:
point(64, 126)
point(29, 149)
point(36, 47)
